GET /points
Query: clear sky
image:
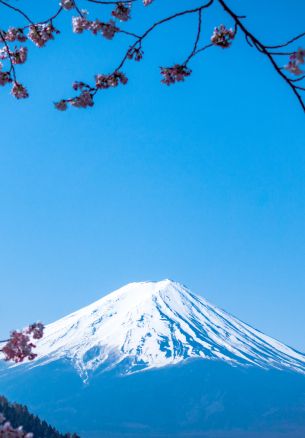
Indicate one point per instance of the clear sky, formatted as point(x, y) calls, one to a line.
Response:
point(201, 182)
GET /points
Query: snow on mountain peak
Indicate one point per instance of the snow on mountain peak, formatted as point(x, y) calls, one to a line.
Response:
point(152, 324)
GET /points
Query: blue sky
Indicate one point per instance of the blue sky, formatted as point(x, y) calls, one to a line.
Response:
point(202, 182)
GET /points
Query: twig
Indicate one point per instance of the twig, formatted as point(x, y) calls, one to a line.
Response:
point(264, 49)
point(193, 52)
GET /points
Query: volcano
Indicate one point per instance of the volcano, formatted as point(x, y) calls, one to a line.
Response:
point(154, 359)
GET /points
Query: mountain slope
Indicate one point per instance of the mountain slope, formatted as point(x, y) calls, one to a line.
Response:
point(153, 324)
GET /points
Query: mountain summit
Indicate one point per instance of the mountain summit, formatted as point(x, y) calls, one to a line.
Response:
point(152, 324)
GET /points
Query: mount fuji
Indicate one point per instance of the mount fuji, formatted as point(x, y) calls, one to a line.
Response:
point(153, 359)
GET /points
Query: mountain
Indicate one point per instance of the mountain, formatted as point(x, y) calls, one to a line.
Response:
point(152, 359)
point(154, 324)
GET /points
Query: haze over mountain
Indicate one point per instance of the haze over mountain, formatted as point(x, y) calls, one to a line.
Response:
point(154, 348)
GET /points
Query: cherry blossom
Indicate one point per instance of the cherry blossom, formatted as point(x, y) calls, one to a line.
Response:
point(300, 56)
point(15, 34)
point(95, 26)
point(19, 91)
point(61, 105)
point(135, 53)
point(18, 56)
point(67, 4)
point(109, 29)
point(84, 100)
point(103, 82)
point(79, 24)
point(8, 431)
point(20, 346)
point(222, 36)
point(177, 73)
point(122, 12)
point(5, 78)
point(78, 85)
point(40, 34)
point(295, 60)
point(293, 68)
point(35, 330)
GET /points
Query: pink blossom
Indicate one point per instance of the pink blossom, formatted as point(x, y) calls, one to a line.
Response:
point(83, 100)
point(3, 53)
point(40, 34)
point(67, 4)
point(103, 81)
point(295, 60)
point(293, 68)
point(79, 24)
point(147, 2)
point(177, 73)
point(300, 56)
point(14, 34)
point(8, 431)
point(109, 29)
point(19, 91)
point(135, 53)
point(61, 105)
point(35, 330)
point(122, 11)
point(78, 85)
point(19, 347)
point(5, 78)
point(18, 56)
point(95, 26)
point(222, 36)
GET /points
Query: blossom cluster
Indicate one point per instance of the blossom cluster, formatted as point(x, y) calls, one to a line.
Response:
point(122, 11)
point(40, 34)
point(5, 77)
point(222, 36)
point(83, 100)
point(20, 346)
point(108, 30)
point(67, 4)
point(295, 60)
point(177, 73)
point(17, 56)
point(135, 53)
point(15, 34)
point(8, 431)
point(103, 81)
point(19, 91)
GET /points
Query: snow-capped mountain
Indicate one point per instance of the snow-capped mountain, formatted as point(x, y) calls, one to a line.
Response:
point(153, 324)
point(227, 379)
